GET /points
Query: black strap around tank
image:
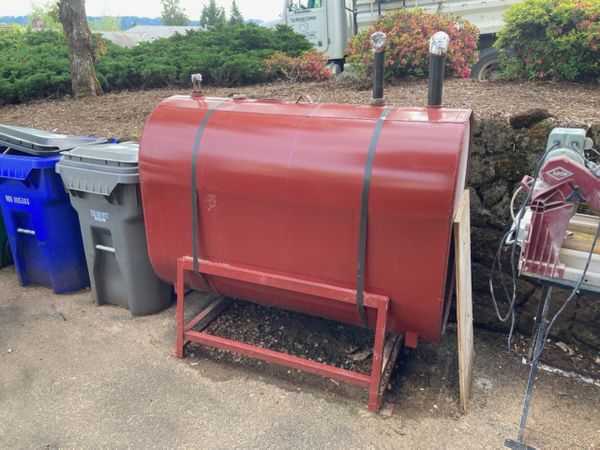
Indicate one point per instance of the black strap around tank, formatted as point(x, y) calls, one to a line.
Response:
point(195, 211)
point(364, 215)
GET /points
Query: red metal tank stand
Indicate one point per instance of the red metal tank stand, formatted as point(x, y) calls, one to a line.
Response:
point(385, 351)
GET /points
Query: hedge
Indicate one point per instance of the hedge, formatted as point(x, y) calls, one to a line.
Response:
point(35, 64)
point(551, 39)
point(407, 49)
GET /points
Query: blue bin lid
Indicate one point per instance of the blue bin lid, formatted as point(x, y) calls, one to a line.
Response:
point(18, 167)
point(41, 143)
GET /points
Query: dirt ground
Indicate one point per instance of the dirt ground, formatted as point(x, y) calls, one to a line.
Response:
point(350, 347)
point(123, 114)
point(76, 375)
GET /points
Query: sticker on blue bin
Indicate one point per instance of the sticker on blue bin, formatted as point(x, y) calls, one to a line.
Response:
point(17, 200)
point(99, 216)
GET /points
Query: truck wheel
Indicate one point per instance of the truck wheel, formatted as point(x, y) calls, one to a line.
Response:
point(488, 66)
point(336, 67)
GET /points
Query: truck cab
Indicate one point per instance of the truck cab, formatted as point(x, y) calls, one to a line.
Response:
point(327, 24)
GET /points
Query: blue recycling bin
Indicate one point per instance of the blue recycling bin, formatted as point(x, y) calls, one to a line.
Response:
point(42, 226)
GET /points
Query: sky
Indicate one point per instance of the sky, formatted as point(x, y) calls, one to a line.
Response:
point(251, 9)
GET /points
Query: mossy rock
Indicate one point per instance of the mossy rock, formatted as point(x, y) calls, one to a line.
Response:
point(497, 135)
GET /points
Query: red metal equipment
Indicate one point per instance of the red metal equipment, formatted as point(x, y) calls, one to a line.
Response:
point(278, 212)
point(566, 183)
point(557, 247)
point(384, 351)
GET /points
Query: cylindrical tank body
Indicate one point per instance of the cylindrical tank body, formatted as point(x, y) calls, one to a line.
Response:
point(279, 189)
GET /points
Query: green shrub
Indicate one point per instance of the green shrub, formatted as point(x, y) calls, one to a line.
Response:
point(226, 56)
point(407, 48)
point(35, 64)
point(551, 39)
point(32, 65)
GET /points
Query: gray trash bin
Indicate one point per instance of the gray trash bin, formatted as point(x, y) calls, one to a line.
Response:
point(103, 183)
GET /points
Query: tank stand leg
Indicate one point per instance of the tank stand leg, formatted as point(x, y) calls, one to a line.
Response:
point(385, 351)
point(377, 367)
point(180, 290)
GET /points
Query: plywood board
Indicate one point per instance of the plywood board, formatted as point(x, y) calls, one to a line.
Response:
point(464, 298)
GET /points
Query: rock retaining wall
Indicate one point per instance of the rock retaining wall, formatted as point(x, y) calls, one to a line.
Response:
point(504, 149)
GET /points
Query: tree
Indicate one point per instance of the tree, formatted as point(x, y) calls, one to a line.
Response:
point(81, 48)
point(105, 23)
point(212, 15)
point(235, 17)
point(173, 13)
point(45, 13)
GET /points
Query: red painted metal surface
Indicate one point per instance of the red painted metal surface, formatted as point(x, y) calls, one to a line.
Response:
point(384, 356)
point(552, 208)
point(279, 188)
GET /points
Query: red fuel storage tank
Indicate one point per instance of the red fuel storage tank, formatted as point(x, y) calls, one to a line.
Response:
point(279, 190)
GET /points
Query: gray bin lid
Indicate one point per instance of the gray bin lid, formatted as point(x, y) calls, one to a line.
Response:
point(121, 154)
point(98, 169)
point(41, 143)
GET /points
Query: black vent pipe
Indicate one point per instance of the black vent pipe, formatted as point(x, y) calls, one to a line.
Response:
point(378, 46)
point(438, 46)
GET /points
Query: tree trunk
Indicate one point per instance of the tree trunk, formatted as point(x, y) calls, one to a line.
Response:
point(81, 48)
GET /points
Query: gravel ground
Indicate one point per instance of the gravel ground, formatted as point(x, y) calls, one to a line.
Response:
point(123, 114)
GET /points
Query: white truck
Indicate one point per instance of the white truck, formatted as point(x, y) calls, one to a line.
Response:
point(329, 24)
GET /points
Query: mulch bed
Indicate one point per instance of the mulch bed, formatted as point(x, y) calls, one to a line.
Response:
point(123, 114)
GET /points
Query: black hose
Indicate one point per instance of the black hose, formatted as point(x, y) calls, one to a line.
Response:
point(511, 298)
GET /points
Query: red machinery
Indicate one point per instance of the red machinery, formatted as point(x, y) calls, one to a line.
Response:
point(269, 202)
point(549, 249)
point(558, 247)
